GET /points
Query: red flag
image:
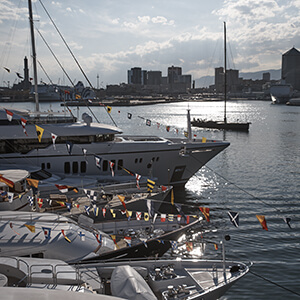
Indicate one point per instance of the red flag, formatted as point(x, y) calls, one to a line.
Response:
point(216, 246)
point(163, 217)
point(189, 246)
point(40, 202)
point(23, 122)
point(9, 115)
point(205, 211)
point(262, 221)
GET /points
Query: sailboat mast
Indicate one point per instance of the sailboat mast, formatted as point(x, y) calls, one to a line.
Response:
point(36, 95)
point(225, 74)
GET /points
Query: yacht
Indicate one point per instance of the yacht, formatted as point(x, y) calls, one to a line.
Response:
point(190, 279)
point(69, 148)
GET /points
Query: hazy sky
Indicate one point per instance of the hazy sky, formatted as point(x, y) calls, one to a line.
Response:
point(109, 37)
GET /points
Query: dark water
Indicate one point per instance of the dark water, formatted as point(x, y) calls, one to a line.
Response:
point(258, 174)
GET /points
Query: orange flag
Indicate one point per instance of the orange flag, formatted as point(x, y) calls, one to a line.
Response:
point(33, 182)
point(6, 181)
point(262, 221)
point(205, 211)
point(30, 227)
point(122, 199)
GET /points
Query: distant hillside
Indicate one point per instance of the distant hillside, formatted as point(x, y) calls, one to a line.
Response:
point(206, 81)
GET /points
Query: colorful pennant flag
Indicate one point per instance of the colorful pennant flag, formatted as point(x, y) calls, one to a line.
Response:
point(10, 197)
point(69, 146)
point(112, 213)
point(170, 217)
point(148, 122)
point(12, 227)
point(128, 240)
point(66, 188)
point(189, 246)
point(104, 211)
point(172, 197)
point(81, 235)
point(122, 199)
point(39, 132)
point(163, 217)
point(111, 165)
point(146, 216)
point(287, 221)
point(98, 161)
point(23, 123)
point(54, 137)
point(203, 140)
point(96, 210)
point(9, 115)
point(205, 211)
point(262, 221)
point(69, 206)
point(47, 232)
point(40, 202)
point(87, 209)
point(216, 246)
point(64, 235)
point(137, 178)
point(6, 181)
point(174, 245)
point(30, 200)
point(33, 182)
point(138, 215)
point(30, 227)
point(99, 237)
point(150, 185)
point(234, 218)
point(109, 108)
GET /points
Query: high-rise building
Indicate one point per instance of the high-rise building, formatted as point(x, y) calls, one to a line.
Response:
point(154, 77)
point(219, 79)
point(173, 73)
point(290, 68)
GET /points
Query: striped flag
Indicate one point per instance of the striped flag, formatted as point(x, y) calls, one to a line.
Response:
point(64, 235)
point(150, 185)
point(9, 115)
point(262, 221)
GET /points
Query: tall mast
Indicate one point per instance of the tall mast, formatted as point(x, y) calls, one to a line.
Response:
point(36, 95)
point(225, 75)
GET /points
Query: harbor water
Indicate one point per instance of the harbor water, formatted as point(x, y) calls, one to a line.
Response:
point(258, 174)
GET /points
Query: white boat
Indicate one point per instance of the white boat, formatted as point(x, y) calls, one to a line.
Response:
point(281, 93)
point(172, 161)
point(50, 236)
point(294, 102)
point(14, 191)
point(147, 279)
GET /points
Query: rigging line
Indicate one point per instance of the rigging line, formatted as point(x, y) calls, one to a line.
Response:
point(274, 283)
point(241, 189)
point(55, 57)
point(73, 58)
point(45, 72)
point(67, 45)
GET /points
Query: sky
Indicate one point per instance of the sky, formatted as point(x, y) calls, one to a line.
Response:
point(109, 37)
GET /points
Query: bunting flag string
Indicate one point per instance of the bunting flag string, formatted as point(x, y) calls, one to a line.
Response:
point(47, 232)
point(150, 185)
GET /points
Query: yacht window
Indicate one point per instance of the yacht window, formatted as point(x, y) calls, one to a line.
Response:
point(83, 167)
point(43, 166)
point(48, 165)
point(157, 158)
point(67, 167)
point(105, 165)
point(120, 164)
point(75, 167)
point(141, 159)
point(136, 160)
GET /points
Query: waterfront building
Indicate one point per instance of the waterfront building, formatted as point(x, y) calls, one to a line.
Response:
point(290, 68)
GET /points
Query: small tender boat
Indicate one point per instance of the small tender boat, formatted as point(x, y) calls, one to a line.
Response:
point(146, 279)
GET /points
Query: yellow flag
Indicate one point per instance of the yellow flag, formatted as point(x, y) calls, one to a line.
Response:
point(203, 140)
point(33, 182)
point(39, 132)
point(30, 227)
point(112, 213)
point(146, 216)
point(172, 197)
point(109, 109)
point(77, 96)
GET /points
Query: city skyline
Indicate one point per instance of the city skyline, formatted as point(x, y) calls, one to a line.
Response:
point(108, 38)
